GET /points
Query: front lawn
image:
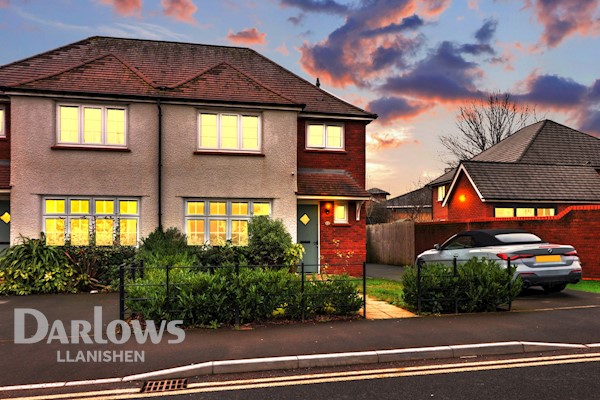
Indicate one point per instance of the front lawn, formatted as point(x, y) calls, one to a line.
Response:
point(386, 290)
point(586, 286)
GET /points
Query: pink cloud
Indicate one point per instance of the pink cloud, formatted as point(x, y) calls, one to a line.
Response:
point(434, 8)
point(382, 139)
point(283, 49)
point(4, 3)
point(247, 36)
point(125, 7)
point(564, 18)
point(181, 10)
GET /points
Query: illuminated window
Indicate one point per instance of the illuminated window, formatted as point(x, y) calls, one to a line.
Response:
point(525, 212)
point(262, 208)
point(340, 213)
point(546, 212)
point(503, 212)
point(81, 219)
point(2, 122)
point(92, 125)
point(225, 220)
point(324, 136)
point(441, 193)
point(221, 131)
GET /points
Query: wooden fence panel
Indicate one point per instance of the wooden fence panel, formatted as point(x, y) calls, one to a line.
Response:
point(392, 243)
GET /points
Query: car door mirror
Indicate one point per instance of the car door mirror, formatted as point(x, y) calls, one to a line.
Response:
point(437, 246)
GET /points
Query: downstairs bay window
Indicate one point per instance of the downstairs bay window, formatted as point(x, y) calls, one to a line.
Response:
point(88, 220)
point(216, 221)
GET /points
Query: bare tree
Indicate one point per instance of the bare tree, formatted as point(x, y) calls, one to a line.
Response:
point(485, 122)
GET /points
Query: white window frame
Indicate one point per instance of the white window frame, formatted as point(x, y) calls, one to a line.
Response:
point(228, 216)
point(3, 121)
point(82, 107)
point(240, 132)
point(345, 219)
point(441, 193)
point(92, 215)
point(326, 145)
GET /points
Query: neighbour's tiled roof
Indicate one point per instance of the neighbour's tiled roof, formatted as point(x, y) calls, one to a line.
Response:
point(376, 191)
point(534, 182)
point(445, 178)
point(545, 142)
point(4, 176)
point(149, 68)
point(417, 198)
point(328, 182)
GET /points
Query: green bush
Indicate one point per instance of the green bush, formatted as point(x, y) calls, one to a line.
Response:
point(162, 248)
point(228, 255)
point(32, 267)
point(479, 284)
point(100, 264)
point(269, 242)
point(211, 298)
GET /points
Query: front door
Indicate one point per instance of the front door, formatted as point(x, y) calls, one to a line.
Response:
point(308, 235)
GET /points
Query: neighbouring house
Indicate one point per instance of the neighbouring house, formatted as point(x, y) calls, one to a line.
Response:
point(538, 171)
point(109, 138)
point(414, 206)
point(377, 213)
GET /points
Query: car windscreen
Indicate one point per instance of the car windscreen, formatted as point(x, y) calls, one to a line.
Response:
point(518, 237)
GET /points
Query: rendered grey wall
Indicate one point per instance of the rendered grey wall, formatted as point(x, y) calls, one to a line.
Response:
point(38, 170)
point(189, 175)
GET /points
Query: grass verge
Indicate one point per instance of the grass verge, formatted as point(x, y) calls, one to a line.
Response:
point(584, 286)
point(386, 290)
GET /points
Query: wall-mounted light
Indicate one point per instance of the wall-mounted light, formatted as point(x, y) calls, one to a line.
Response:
point(462, 198)
point(327, 208)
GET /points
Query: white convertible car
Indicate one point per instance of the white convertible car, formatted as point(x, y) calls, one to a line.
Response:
point(539, 263)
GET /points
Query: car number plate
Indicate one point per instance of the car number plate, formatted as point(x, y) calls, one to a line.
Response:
point(546, 259)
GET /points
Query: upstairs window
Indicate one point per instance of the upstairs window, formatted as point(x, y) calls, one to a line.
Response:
point(441, 193)
point(2, 122)
point(229, 132)
point(92, 125)
point(324, 136)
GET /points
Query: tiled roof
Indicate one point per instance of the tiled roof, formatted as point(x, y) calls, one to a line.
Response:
point(104, 65)
point(4, 176)
point(535, 182)
point(328, 182)
point(545, 142)
point(445, 178)
point(376, 191)
point(420, 197)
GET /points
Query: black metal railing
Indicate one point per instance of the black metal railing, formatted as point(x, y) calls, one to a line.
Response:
point(452, 287)
point(132, 277)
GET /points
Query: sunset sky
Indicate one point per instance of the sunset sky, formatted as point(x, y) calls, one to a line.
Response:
point(413, 62)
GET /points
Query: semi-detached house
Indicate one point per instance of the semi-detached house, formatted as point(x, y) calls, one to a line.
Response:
point(106, 139)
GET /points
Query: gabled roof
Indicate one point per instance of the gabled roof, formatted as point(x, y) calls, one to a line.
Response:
point(516, 182)
point(329, 182)
point(186, 71)
point(444, 178)
point(417, 198)
point(545, 142)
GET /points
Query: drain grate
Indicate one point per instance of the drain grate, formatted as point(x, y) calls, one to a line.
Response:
point(164, 385)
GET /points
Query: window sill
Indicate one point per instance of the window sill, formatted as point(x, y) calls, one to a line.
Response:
point(340, 151)
point(90, 148)
point(226, 153)
point(3, 138)
point(342, 224)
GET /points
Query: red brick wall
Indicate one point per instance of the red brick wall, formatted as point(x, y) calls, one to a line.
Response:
point(352, 239)
point(472, 207)
point(5, 142)
point(576, 225)
point(352, 159)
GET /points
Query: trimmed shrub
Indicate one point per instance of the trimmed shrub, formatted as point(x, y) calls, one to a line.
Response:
point(32, 267)
point(162, 248)
point(211, 298)
point(269, 242)
point(480, 285)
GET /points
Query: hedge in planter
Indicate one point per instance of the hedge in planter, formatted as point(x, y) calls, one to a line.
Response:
point(480, 285)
